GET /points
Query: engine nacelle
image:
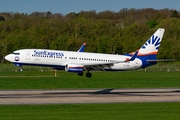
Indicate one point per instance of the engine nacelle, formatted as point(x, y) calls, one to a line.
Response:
point(74, 68)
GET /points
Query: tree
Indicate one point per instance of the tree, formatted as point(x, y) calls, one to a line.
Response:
point(174, 14)
point(105, 32)
point(151, 23)
point(2, 18)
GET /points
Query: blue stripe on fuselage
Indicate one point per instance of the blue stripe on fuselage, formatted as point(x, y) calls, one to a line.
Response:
point(58, 67)
point(144, 60)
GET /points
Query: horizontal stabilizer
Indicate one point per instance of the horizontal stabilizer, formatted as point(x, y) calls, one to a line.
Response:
point(161, 60)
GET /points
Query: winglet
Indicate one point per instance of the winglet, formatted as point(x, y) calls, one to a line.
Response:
point(82, 48)
point(133, 57)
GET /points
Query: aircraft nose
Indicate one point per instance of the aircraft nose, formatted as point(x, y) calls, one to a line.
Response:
point(8, 58)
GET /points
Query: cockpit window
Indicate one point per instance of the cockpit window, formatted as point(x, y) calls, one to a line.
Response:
point(16, 53)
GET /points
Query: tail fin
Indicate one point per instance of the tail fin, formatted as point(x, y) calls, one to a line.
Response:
point(150, 48)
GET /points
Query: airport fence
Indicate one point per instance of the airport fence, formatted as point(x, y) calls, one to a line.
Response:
point(12, 67)
point(162, 66)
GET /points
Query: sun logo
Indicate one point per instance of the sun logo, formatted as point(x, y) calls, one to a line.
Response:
point(152, 43)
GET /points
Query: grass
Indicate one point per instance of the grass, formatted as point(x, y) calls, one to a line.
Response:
point(34, 78)
point(64, 80)
point(124, 111)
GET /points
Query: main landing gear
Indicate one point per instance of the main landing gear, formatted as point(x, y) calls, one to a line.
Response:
point(80, 74)
point(88, 74)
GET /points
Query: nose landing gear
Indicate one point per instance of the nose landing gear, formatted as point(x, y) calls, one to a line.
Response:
point(20, 69)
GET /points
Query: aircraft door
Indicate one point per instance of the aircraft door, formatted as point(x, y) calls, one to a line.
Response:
point(27, 55)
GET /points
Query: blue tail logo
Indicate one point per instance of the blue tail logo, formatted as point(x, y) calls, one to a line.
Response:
point(152, 44)
point(155, 41)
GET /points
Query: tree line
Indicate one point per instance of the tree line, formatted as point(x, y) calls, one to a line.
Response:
point(104, 32)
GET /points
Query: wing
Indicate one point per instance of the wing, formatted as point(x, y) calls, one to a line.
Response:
point(98, 66)
point(102, 66)
point(81, 49)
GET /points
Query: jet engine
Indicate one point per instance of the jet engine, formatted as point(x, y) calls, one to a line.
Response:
point(74, 68)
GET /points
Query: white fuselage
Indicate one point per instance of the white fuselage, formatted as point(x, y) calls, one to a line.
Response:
point(57, 58)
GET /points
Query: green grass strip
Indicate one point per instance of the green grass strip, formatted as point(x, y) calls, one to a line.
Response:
point(124, 111)
point(130, 79)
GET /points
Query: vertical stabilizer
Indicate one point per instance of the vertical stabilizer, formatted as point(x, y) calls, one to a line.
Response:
point(150, 48)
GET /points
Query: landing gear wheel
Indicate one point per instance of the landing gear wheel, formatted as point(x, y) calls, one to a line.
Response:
point(80, 74)
point(20, 69)
point(88, 75)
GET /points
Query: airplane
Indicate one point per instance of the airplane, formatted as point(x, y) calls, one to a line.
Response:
point(78, 62)
point(81, 49)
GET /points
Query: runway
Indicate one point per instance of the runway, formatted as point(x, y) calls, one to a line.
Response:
point(81, 96)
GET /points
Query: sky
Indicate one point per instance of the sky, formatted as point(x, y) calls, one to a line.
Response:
point(66, 6)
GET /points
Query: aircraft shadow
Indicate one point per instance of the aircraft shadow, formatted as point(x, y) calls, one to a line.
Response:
point(109, 92)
